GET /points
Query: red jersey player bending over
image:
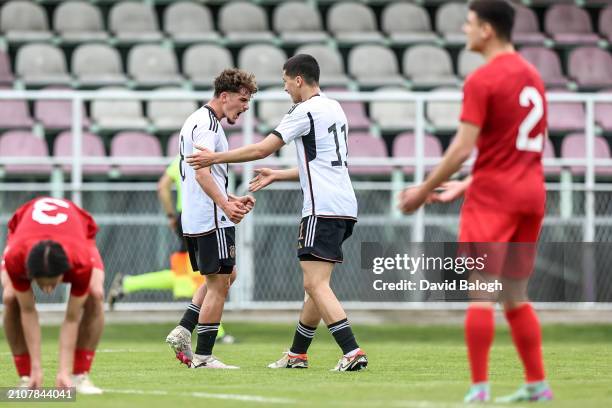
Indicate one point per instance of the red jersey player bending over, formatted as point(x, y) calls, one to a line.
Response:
point(504, 115)
point(52, 241)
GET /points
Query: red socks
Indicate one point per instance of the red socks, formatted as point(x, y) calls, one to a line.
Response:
point(527, 338)
point(82, 361)
point(22, 363)
point(479, 333)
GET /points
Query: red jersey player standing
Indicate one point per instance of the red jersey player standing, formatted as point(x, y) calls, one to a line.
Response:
point(504, 115)
point(50, 241)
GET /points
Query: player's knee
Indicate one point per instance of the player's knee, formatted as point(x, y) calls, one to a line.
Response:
point(96, 294)
point(9, 300)
point(311, 286)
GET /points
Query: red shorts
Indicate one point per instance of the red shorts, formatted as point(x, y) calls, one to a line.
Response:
point(96, 258)
point(508, 240)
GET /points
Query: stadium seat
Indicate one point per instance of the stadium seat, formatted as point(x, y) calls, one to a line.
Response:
point(468, 62)
point(203, 62)
point(172, 147)
point(97, 65)
point(374, 65)
point(41, 65)
point(79, 21)
point(168, 115)
point(352, 23)
point(568, 24)
point(605, 22)
point(364, 145)
point(56, 114)
point(591, 67)
point(137, 144)
point(565, 116)
point(270, 113)
point(14, 114)
point(526, 30)
point(393, 116)
point(133, 22)
point(243, 22)
point(109, 114)
point(355, 112)
point(330, 63)
point(574, 147)
point(6, 75)
point(428, 66)
point(152, 65)
point(407, 23)
point(449, 22)
point(298, 23)
point(265, 61)
point(444, 116)
point(547, 63)
point(549, 153)
point(18, 143)
point(403, 146)
point(188, 22)
point(603, 113)
point(24, 21)
point(91, 146)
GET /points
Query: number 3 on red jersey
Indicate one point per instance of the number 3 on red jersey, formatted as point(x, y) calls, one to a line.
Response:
point(530, 96)
point(44, 205)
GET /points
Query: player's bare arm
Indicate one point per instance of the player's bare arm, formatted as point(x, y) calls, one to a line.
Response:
point(456, 154)
point(449, 191)
point(235, 210)
point(31, 331)
point(255, 151)
point(68, 337)
point(266, 176)
point(164, 192)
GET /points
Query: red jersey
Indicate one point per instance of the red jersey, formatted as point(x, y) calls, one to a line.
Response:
point(54, 219)
point(506, 99)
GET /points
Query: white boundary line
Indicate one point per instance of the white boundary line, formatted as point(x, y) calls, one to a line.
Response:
point(235, 397)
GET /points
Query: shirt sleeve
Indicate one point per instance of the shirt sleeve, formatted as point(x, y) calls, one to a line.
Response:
point(294, 124)
point(475, 101)
point(13, 262)
point(205, 138)
point(91, 228)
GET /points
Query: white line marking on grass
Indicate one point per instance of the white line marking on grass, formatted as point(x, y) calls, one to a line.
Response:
point(431, 404)
point(125, 351)
point(235, 397)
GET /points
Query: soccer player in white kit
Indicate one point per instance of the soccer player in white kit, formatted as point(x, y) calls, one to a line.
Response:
point(319, 128)
point(208, 218)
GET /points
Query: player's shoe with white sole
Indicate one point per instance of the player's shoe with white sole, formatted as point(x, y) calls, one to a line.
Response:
point(537, 392)
point(200, 361)
point(357, 362)
point(179, 340)
point(24, 381)
point(83, 385)
point(289, 360)
point(480, 392)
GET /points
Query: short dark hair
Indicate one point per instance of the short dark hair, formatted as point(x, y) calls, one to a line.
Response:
point(47, 259)
point(305, 66)
point(235, 80)
point(498, 13)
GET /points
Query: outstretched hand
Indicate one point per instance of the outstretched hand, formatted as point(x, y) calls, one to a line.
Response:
point(262, 178)
point(411, 199)
point(203, 158)
point(247, 200)
point(450, 191)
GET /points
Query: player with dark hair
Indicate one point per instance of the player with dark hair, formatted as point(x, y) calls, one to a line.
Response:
point(504, 115)
point(208, 216)
point(319, 128)
point(51, 241)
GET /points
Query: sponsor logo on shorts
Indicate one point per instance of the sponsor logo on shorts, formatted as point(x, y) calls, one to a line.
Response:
point(232, 251)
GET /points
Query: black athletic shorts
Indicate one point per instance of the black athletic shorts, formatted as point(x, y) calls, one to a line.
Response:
point(321, 238)
point(214, 252)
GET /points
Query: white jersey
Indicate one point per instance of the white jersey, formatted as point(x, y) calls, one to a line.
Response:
point(200, 214)
point(320, 129)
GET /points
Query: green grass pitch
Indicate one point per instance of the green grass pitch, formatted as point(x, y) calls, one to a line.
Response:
point(410, 366)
